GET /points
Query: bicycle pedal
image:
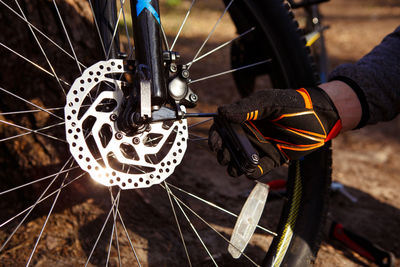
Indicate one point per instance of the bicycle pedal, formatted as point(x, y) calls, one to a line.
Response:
point(248, 219)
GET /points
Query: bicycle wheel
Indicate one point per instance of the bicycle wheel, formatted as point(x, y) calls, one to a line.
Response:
point(183, 220)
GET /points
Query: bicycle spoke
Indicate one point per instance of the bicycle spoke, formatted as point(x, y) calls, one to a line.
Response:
point(114, 32)
point(122, 3)
point(177, 223)
point(230, 71)
point(211, 227)
point(195, 231)
point(199, 123)
point(28, 111)
point(102, 229)
point(114, 231)
point(221, 46)
point(217, 207)
point(40, 32)
point(183, 24)
point(42, 50)
point(33, 63)
point(211, 33)
point(31, 208)
point(129, 239)
point(47, 219)
point(198, 139)
point(30, 103)
point(37, 181)
point(164, 38)
point(97, 28)
point(67, 35)
point(41, 200)
point(33, 131)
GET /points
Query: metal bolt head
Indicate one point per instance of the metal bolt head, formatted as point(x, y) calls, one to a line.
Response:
point(122, 55)
point(136, 140)
point(113, 117)
point(185, 74)
point(193, 97)
point(255, 158)
point(173, 67)
point(118, 135)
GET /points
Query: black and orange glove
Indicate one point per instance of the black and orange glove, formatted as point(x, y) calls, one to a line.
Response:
point(282, 125)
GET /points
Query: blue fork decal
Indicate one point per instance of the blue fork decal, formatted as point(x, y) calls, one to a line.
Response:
point(145, 4)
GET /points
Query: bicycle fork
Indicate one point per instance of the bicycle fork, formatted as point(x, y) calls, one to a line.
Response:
point(158, 80)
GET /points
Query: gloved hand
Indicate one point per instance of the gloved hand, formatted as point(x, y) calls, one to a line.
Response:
point(282, 124)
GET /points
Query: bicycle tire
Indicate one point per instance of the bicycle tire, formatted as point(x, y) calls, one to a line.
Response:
point(286, 44)
point(284, 78)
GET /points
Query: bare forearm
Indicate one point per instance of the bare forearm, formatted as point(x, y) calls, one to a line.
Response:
point(346, 103)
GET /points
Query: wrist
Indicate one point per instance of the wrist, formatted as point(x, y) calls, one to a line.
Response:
point(346, 102)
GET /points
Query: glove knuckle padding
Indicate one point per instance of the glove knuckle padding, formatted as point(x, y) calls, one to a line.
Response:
point(298, 126)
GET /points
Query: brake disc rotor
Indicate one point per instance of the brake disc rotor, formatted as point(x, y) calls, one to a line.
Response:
point(108, 155)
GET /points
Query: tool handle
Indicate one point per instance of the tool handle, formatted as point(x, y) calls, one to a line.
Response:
point(242, 152)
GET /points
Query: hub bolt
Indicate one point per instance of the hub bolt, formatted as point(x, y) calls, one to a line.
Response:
point(185, 74)
point(118, 135)
point(136, 140)
point(113, 117)
point(173, 67)
point(193, 97)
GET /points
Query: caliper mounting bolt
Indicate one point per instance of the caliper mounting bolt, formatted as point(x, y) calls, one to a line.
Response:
point(193, 97)
point(118, 135)
point(113, 117)
point(136, 140)
point(173, 68)
point(185, 74)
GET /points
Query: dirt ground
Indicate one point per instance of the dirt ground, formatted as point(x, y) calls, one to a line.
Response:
point(365, 162)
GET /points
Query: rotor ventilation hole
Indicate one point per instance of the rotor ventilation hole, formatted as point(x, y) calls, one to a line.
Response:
point(105, 134)
point(106, 105)
point(152, 139)
point(129, 151)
